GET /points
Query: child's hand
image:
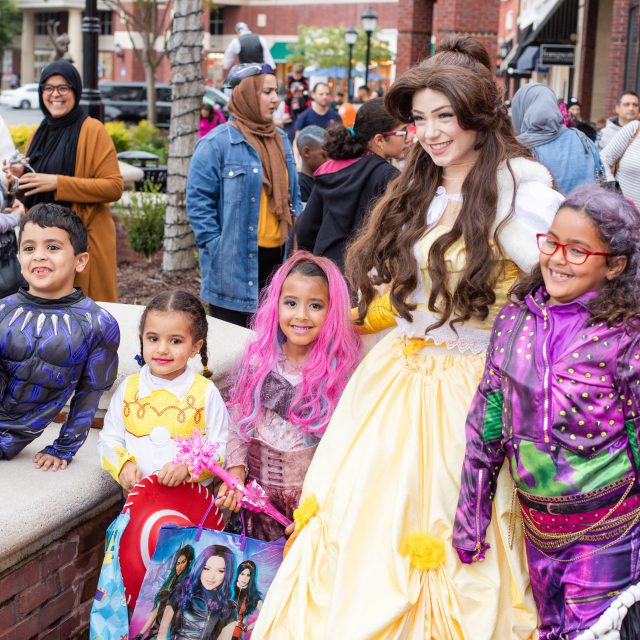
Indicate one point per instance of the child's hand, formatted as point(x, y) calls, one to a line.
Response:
point(231, 499)
point(172, 475)
point(46, 461)
point(130, 475)
point(16, 207)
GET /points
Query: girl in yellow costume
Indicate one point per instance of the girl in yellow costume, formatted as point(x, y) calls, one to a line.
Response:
point(166, 399)
point(448, 238)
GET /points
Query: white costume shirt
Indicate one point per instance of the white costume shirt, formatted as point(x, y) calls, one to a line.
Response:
point(152, 452)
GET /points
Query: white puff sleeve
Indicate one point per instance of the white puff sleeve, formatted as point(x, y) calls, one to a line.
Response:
point(535, 206)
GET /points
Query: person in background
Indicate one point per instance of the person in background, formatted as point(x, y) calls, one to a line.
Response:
point(357, 172)
point(627, 110)
point(75, 165)
point(6, 142)
point(295, 104)
point(363, 94)
point(246, 47)
point(319, 113)
point(570, 156)
point(575, 115)
point(297, 75)
point(622, 159)
point(242, 192)
point(210, 118)
point(11, 211)
point(338, 101)
point(312, 155)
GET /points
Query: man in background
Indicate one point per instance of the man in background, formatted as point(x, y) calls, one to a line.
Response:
point(319, 113)
point(246, 47)
point(627, 110)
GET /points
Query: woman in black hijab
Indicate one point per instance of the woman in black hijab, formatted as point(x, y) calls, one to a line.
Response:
point(75, 165)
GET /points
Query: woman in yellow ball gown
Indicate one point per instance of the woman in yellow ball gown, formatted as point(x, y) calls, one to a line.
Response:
point(372, 557)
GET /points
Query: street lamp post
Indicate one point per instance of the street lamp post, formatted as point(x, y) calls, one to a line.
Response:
point(91, 101)
point(350, 35)
point(369, 21)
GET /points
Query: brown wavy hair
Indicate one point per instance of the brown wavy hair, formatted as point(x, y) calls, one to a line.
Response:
point(461, 71)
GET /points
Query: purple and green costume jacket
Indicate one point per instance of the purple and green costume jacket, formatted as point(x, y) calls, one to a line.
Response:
point(49, 351)
point(560, 399)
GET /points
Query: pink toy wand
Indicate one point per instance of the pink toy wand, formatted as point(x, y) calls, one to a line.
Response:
point(198, 454)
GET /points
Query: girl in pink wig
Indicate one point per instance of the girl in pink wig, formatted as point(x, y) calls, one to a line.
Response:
point(289, 382)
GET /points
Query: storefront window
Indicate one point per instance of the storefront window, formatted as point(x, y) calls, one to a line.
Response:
point(105, 65)
point(216, 21)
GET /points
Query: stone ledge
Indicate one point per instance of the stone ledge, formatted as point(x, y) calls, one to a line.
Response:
point(38, 507)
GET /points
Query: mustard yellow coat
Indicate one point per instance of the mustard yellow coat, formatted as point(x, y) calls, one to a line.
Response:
point(97, 183)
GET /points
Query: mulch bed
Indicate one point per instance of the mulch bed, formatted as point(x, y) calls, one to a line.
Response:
point(140, 280)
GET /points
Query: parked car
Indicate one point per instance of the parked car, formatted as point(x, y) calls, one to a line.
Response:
point(25, 97)
point(128, 101)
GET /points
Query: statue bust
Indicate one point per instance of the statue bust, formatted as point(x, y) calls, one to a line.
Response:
point(60, 42)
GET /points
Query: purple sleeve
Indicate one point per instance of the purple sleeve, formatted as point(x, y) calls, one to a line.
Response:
point(482, 462)
point(99, 374)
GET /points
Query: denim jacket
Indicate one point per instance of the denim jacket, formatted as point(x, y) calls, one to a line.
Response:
point(223, 204)
point(572, 159)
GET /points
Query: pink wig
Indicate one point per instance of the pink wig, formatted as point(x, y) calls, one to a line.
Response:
point(330, 363)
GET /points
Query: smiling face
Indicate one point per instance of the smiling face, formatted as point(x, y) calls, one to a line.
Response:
point(244, 578)
point(565, 281)
point(181, 565)
point(167, 343)
point(212, 575)
point(269, 97)
point(302, 309)
point(438, 131)
point(48, 262)
point(57, 104)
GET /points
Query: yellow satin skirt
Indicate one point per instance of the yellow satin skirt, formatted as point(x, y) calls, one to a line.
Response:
point(388, 466)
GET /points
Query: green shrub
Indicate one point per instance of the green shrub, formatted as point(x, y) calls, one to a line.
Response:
point(120, 135)
point(21, 135)
point(143, 219)
point(146, 133)
point(161, 152)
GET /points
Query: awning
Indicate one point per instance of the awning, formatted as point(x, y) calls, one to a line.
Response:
point(279, 52)
point(555, 23)
point(508, 60)
point(528, 59)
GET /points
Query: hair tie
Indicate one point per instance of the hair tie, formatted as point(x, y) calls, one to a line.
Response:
point(139, 360)
point(205, 369)
point(352, 131)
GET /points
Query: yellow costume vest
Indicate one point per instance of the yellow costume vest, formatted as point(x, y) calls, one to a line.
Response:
point(163, 408)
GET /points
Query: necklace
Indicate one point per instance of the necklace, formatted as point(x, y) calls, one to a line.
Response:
point(289, 367)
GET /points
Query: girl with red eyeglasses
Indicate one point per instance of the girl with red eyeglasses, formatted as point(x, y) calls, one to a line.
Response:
point(560, 399)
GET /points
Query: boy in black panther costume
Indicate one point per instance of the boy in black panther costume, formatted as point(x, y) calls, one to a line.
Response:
point(54, 341)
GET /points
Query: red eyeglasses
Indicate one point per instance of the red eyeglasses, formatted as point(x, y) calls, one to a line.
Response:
point(573, 253)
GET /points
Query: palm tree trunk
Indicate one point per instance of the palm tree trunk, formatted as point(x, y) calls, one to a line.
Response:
point(185, 50)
